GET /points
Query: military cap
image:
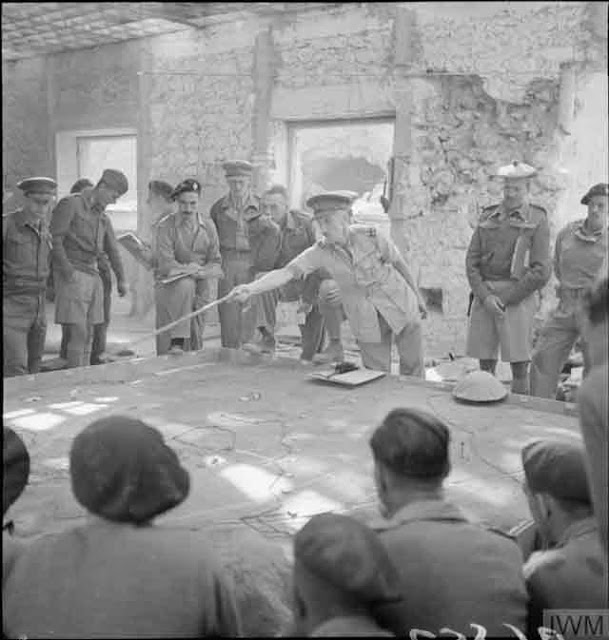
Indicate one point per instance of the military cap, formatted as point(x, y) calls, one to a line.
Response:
point(600, 189)
point(234, 168)
point(116, 180)
point(46, 186)
point(190, 185)
point(479, 386)
point(557, 468)
point(15, 467)
point(348, 555)
point(516, 170)
point(331, 201)
point(161, 188)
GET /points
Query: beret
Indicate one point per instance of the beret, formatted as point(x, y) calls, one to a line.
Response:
point(600, 189)
point(349, 555)
point(331, 201)
point(41, 185)
point(234, 168)
point(190, 185)
point(516, 170)
point(556, 468)
point(161, 188)
point(15, 467)
point(122, 470)
point(116, 180)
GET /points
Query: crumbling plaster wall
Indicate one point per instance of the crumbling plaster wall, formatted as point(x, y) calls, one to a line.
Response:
point(25, 125)
point(485, 82)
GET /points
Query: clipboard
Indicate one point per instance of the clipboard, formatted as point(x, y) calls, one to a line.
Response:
point(350, 379)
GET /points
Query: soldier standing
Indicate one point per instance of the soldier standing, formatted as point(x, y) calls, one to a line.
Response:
point(26, 249)
point(581, 248)
point(379, 295)
point(298, 232)
point(78, 232)
point(248, 243)
point(507, 263)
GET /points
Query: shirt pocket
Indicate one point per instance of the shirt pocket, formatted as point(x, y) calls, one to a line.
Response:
point(21, 249)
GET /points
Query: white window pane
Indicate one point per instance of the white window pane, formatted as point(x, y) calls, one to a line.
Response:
point(97, 153)
point(348, 156)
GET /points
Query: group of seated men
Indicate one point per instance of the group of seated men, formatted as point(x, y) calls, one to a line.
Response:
point(421, 567)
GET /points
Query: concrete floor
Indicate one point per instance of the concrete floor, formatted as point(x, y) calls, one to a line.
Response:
point(266, 446)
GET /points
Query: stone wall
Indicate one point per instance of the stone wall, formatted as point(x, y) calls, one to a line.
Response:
point(471, 85)
point(26, 148)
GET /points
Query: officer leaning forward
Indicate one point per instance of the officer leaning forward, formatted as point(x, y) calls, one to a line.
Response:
point(379, 295)
point(507, 263)
point(581, 249)
point(26, 249)
point(244, 235)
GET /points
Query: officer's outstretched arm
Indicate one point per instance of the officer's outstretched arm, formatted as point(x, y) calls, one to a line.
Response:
point(272, 280)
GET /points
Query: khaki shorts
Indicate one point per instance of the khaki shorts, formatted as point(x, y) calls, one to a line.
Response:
point(80, 301)
point(513, 333)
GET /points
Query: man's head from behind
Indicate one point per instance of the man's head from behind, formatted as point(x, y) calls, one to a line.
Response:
point(411, 457)
point(341, 569)
point(556, 485)
point(80, 185)
point(160, 197)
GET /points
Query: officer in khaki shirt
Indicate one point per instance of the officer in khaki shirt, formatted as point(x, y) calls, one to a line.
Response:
point(572, 574)
point(379, 295)
point(581, 248)
point(26, 248)
point(507, 262)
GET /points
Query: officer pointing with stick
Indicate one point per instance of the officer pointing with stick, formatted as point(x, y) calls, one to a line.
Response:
point(379, 294)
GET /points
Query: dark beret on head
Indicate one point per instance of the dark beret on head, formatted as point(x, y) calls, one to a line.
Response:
point(348, 555)
point(600, 189)
point(122, 470)
point(413, 443)
point(556, 468)
point(190, 185)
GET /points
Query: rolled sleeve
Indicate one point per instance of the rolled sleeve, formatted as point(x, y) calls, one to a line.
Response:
point(213, 251)
point(305, 263)
point(62, 217)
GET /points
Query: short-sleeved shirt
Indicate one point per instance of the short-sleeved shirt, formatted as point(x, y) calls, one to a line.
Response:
point(181, 241)
point(26, 248)
point(573, 575)
point(579, 255)
point(369, 282)
point(78, 232)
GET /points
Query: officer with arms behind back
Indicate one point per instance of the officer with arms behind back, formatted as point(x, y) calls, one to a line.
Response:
point(507, 263)
point(26, 248)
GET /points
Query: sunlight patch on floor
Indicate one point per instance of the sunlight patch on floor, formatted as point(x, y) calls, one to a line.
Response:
point(256, 483)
